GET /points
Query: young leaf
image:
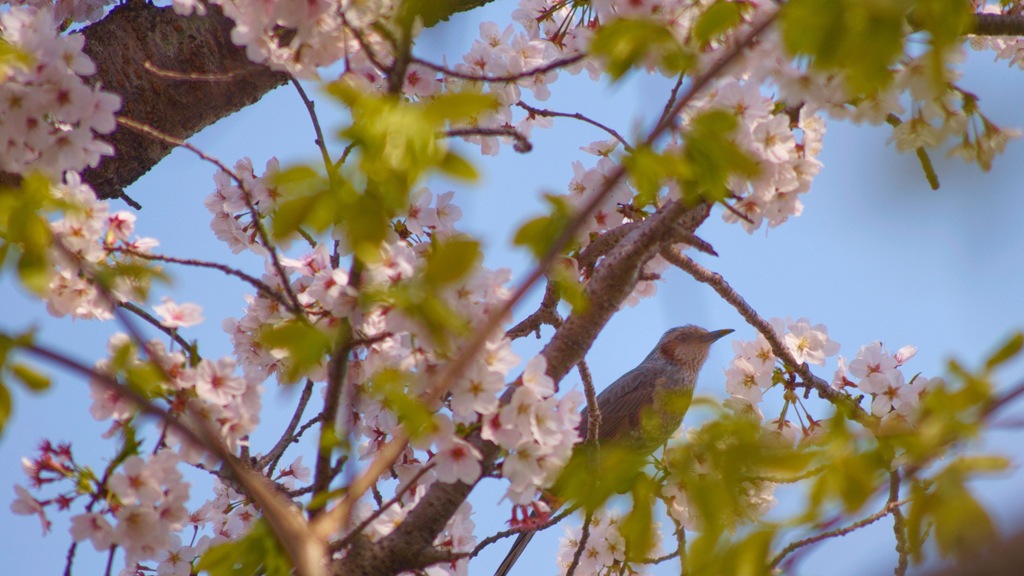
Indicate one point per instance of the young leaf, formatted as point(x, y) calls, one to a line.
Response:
point(32, 379)
point(450, 259)
point(1010, 349)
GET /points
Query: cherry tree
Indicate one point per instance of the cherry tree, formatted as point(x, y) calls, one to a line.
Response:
point(397, 339)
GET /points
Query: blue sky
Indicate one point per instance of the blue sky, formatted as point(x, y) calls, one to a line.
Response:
point(876, 255)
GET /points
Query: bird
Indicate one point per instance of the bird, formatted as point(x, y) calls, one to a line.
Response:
point(643, 408)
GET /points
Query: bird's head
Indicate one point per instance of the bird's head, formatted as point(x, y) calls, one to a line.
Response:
point(687, 346)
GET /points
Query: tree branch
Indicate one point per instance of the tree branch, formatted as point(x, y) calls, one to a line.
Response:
point(715, 280)
point(998, 25)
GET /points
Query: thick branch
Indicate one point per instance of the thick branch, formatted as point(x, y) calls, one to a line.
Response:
point(178, 75)
point(612, 282)
point(130, 46)
point(998, 25)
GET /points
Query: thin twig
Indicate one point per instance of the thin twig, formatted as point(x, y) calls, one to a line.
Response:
point(274, 455)
point(546, 313)
point(341, 544)
point(320, 142)
point(672, 97)
point(575, 116)
point(246, 195)
point(1003, 400)
point(581, 546)
point(593, 413)
point(519, 530)
point(885, 511)
point(275, 260)
point(715, 280)
point(665, 558)
point(521, 146)
point(256, 283)
point(337, 370)
point(899, 526)
point(110, 560)
point(171, 332)
point(553, 65)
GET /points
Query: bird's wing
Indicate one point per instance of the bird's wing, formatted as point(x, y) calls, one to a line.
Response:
point(622, 402)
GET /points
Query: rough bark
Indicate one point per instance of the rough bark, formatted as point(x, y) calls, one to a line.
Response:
point(224, 80)
point(134, 35)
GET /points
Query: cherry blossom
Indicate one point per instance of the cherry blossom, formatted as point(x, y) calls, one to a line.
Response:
point(51, 117)
point(26, 505)
point(173, 315)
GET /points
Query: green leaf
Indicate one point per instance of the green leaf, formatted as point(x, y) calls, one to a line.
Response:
point(985, 464)
point(295, 212)
point(34, 271)
point(258, 553)
point(539, 234)
point(32, 379)
point(367, 225)
point(10, 56)
point(450, 260)
point(719, 18)
point(637, 528)
point(749, 557)
point(1008, 351)
point(6, 406)
point(593, 476)
point(648, 171)
point(945, 21)
point(860, 39)
point(306, 200)
point(459, 105)
point(392, 388)
point(145, 378)
point(625, 43)
point(712, 157)
point(306, 346)
point(458, 167)
point(962, 526)
point(570, 288)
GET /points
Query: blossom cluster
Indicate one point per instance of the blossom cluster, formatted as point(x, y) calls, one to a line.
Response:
point(49, 116)
point(228, 402)
point(880, 374)
point(140, 508)
point(148, 507)
point(758, 497)
point(605, 549)
point(537, 428)
point(86, 237)
point(457, 536)
point(874, 371)
point(67, 10)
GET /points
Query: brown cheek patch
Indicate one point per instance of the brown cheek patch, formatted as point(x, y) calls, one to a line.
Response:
point(670, 350)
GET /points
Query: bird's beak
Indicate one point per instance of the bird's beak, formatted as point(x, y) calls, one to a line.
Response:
point(713, 336)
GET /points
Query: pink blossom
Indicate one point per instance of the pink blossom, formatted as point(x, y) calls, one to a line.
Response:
point(217, 383)
point(457, 460)
point(26, 505)
point(744, 380)
point(535, 377)
point(93, 527)
point(173, 315)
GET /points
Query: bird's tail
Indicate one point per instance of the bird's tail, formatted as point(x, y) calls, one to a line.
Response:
point(515, 552)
